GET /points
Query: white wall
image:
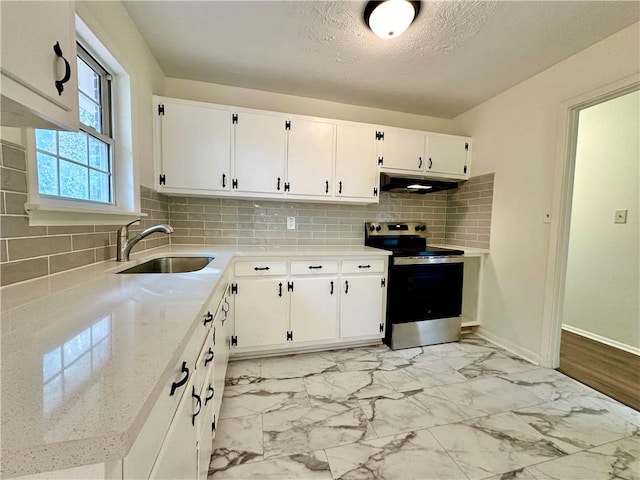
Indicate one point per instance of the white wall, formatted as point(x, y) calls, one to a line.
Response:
point(111, 23)
point(515, 135)
point(244, 97)
point(602, 294)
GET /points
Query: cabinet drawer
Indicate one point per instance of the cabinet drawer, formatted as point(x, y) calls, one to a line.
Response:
point(368, 265)
point(314, 267)
point(259, 268)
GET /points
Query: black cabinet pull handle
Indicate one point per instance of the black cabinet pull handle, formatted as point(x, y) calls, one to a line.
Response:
point(257, 269)
point(224, 180)
point(199, 407)
point(278, 187)
point(182, 381)
point(208, 318)
point(420, 164)
point(67, 69)
point(210, 392)
point(213, 337)
point(430, 163)
point(314, 267)
point(331, 292)
point(280, 289)
point(346, 286)
point(326, 186)
point(339, 187)
point(364, 266)
point(209, 357)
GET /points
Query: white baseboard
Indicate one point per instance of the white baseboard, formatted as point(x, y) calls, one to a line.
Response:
point(509, 346)
point(601, 339)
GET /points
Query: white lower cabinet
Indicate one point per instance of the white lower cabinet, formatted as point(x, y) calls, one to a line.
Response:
point(261, 311)
point(176, 440)
point(314, 309)
point(361, 301)
point(318, 302)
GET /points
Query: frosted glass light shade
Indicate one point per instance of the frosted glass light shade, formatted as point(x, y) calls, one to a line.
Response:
point(390, 18)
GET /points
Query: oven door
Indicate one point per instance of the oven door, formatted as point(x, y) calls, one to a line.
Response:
point(425, 288)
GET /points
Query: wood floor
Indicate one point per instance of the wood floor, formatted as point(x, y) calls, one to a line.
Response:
point(609, 370)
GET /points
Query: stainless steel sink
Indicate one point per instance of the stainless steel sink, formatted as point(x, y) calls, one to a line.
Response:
point(170, 265)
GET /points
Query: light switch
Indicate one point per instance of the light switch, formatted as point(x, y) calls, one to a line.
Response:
point(621, 216)
point(291, 223)
point(547, 217)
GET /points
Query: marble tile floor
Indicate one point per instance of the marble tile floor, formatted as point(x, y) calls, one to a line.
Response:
point(465, 410)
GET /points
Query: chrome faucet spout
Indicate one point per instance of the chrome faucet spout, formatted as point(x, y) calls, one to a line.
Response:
point(125, 244)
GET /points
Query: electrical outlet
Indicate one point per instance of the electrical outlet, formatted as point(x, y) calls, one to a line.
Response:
point(291, 223)
point(621, 216)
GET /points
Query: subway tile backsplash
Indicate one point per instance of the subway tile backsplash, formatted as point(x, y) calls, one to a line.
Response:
point(455, 217)
point(213, 221)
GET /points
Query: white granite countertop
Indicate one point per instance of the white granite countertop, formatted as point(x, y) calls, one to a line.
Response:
point(85, 353)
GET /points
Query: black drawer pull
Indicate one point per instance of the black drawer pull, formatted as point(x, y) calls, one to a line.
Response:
point(278, 187)
point(176, 385)
point(312, 267)
point(210, 392)
point(339, 187)
point(209, 357)
point(364, 266)
point(208, 318)
point(420, 164)
point(346, 286)
point(199, 407)
point(280, 289)
point(326, 186)
point(331, 291)
point(258, 269)
point(224, 180)
point(67, 69)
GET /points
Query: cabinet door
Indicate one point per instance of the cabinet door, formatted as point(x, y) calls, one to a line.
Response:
point(261, 312)
point(402, 150)
point(195, 147)
point(447, 154)
point(310, 157)
point(260, 152)
point(356, 162)
point(361, 306)
point(314, 303)
point(30, 66)
point(178, 456)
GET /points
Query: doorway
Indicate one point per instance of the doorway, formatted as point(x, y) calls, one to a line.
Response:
point(599, 308)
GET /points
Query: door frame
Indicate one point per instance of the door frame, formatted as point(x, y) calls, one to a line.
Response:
point(564, 175)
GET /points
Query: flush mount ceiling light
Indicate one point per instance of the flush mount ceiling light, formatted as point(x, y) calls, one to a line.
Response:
point(390, 18)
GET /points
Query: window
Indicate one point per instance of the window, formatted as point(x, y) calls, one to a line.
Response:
point(79, 165)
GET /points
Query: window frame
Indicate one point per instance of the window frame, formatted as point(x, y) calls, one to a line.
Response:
point(44, 210)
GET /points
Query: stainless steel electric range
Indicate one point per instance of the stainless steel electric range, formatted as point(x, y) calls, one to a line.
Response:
point(424, 294)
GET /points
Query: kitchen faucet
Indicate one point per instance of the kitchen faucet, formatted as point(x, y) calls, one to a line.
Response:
point(125, 244)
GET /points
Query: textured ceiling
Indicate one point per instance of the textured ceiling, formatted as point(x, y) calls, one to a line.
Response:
point(456, 55)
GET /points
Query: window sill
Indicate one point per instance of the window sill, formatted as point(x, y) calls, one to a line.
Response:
point(48, 215)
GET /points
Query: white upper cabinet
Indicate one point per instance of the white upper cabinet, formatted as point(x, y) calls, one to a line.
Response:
point(260, 153)
point(195, 141)
point(448, 155)
point(356, 162)
point(401, 149)
point(31, 66)
point(310, 157)
point(220, 150)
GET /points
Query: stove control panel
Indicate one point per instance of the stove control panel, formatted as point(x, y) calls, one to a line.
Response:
point(393, 229)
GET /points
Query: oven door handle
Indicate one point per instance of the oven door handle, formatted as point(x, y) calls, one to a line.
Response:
point(426, 260)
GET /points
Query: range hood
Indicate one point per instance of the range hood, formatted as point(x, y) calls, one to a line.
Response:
point(420, 185)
